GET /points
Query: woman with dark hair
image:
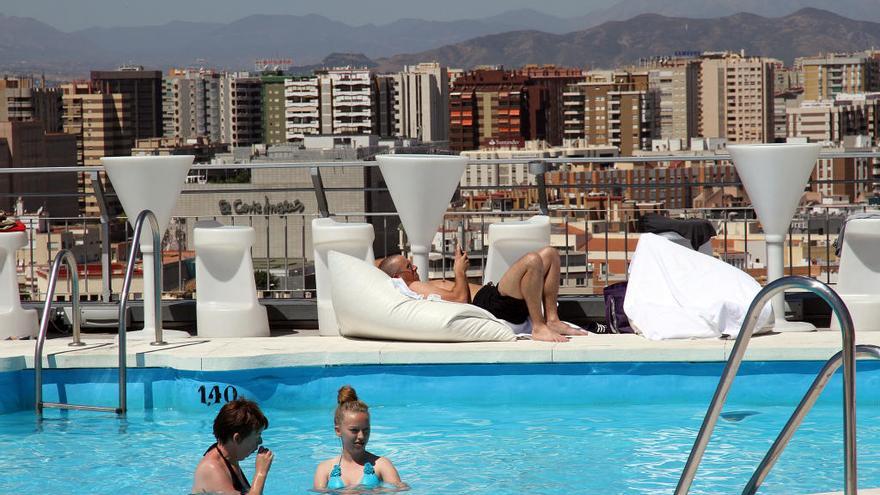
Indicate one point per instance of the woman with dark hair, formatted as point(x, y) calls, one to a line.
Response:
point(237, 428)
point(355, 466)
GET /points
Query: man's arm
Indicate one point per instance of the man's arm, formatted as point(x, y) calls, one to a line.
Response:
point(460, 291)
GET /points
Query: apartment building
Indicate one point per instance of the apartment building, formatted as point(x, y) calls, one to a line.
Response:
point(26, 144)
point(241, 122)
point(676, 81)
point(650, 184)
point(553, 80)
point(16, 104)
point(464, 130)
point(348, 93)
point(861, 115)
point(454, 73)
point(108, 126)
point(826, 77)
point(495, 108)
point(107, 130)
point(71, 112)
point(48, 108)
point(736, 94)
point(421, 102)
point(143, 89)
point(201, 148)
point(831, 121)
point(302, 107)
point(687, 183)
point(845, 177)
point(22, 99)
point(782, 102)
point(617, 109)
point(191, 104)
point(101, 125)
point(273, 112)
point(337, 101)
point(492, 185)
point(787, 78)
point(387, 106)
point(817, 121)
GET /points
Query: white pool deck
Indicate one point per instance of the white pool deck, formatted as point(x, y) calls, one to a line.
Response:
point(198, 354)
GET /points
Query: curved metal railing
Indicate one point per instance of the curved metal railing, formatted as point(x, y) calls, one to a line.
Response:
point(67, 256)
point(798, 415)
point(847, 358)
point(126, 289)
point(63, 257)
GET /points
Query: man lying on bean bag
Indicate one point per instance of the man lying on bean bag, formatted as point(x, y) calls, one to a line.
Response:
point(528, 290)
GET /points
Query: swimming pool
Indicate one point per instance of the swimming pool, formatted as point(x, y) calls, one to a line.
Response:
point(506, 429)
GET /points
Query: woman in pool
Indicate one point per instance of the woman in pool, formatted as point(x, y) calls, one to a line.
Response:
point(237, 428)
point(355, 466)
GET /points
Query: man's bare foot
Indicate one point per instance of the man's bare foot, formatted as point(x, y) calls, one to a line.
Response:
point(566, 329)
point(547, 334)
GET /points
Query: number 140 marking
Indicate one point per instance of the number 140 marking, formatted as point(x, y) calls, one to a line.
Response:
point(213, 395)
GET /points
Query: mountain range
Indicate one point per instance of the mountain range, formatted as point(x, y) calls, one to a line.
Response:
point(617, 43)
point(619, 34)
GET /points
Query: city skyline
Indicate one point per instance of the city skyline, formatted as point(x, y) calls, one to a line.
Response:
point(84, 14)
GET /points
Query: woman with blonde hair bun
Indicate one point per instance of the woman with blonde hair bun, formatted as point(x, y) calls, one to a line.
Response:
point(355, 466)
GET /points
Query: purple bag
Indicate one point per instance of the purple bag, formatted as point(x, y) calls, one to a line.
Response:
point(614, 316)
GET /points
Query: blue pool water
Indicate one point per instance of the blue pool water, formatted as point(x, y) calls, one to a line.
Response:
point(454, 429)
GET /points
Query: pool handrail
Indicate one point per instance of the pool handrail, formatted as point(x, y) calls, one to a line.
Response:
point(126, 289)
point(816, 388)
point(65, 256)
point(730, 369)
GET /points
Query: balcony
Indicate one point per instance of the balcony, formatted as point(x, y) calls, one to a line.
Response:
point(302, 125)
point(303, 107)
point(302, 117)
point(288, 92)
point(365, 92)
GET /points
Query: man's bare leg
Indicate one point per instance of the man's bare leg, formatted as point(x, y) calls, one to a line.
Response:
point(550, 257)
point(525, 280)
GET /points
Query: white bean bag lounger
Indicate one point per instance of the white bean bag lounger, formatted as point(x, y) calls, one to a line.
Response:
point(368, 306)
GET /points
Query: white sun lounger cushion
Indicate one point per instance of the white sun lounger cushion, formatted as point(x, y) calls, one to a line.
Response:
point(368, 306)
point(675, 292)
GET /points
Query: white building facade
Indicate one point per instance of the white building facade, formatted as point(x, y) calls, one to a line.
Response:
point(333, 101)
point(422, 102)
point(240, 109)
point(191, 104)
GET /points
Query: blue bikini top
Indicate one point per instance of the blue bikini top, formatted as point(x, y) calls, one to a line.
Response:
point(369, 480)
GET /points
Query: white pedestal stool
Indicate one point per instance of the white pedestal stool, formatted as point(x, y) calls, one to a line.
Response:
point(226, 294)
point(858, 279)
point(774, 176)
point(353, 239)
point(509, 241)
point(15, 321)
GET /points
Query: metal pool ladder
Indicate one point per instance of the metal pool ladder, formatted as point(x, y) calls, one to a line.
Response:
point(846, 356)
point(65, 256)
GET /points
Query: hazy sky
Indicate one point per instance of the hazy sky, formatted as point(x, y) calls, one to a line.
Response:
point(70, 15)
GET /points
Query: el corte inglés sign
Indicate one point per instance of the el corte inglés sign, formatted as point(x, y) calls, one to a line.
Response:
point(240, 207)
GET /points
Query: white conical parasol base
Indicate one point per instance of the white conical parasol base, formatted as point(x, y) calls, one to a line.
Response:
point(774, 176)
point(148, 183)
point(421, 187)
